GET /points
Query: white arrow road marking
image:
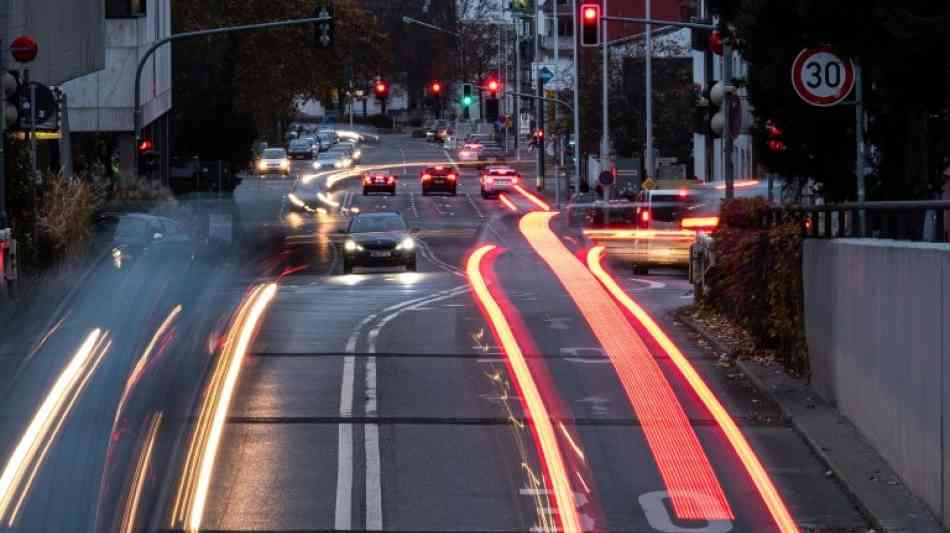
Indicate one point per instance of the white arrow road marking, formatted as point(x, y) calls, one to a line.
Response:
point(650, 284)
point(659, 517)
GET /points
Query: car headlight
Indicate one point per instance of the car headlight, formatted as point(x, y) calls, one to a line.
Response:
point(285, 164)
point(294, 200)
point(338, 164)
point(357, 154)
point(406, 244)
point(261, 165)
point(316, 165)
point(351, 246)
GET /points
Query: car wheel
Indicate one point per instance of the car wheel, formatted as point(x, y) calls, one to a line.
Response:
point(365, 193)
point(641, 270)
point(347, 267)
point(392, 192)
point(411, 265)
point(484, 194)
point(454, 192)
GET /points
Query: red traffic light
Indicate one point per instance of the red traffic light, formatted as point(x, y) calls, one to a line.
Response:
point(590, 24)
point(146, 145)
point(436, 87)
point(493, 86)
point(380, 87)
point(772, 129)
point(776, 145)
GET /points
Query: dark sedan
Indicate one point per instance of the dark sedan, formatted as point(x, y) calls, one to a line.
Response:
point(378, 239)
point(135, 233)
point(438, 179)
point(379, 183)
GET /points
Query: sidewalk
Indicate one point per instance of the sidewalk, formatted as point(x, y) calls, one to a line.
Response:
point(871, 483)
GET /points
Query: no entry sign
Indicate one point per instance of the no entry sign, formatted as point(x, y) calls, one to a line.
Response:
point(821, 78)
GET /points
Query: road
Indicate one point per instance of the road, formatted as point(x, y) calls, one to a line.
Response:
point(292, 397)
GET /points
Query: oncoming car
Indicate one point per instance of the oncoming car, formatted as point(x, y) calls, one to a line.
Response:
point(498, 179)
point(378, 239)
point(378, 182)
point(470, 151)
point(273, 161)
point(439, 179)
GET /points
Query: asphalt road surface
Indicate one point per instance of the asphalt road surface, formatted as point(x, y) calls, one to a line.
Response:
point(260, 389)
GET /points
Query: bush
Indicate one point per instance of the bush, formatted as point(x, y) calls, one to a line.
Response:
point(139, 189)
point(65, 217)
point(757, 279)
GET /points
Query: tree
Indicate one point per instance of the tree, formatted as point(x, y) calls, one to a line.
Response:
point(275, 68)
point(904, 51)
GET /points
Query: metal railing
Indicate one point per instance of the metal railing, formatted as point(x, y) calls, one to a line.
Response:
point(925, 221)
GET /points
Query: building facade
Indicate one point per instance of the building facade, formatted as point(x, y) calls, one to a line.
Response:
point(102, 102)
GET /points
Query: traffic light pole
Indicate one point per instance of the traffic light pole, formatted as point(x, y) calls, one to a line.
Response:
point(201, 33)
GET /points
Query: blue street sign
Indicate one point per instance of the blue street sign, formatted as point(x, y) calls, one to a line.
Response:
point(545, 75)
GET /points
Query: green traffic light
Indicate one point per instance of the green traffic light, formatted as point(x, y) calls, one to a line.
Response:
point(467, 101)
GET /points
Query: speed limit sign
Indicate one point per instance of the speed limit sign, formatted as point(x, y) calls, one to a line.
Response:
point(821, 78)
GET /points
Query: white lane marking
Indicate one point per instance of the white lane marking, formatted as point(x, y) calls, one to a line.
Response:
point(650, 285)
point(474, 205)
point(659, 517)
point(485, 360)
point(597, 404)
point(559, 323)
point(374, 486)
point(431, 257)
point(412, 205)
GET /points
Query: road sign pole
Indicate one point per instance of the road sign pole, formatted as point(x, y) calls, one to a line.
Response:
point(727, 144)
point(605, 121)
point(648, 41)
point(3, 142)
point(577, 103)
point(859, 141)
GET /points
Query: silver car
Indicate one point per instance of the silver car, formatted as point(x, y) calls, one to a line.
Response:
point(273, 161)
point(332, 160)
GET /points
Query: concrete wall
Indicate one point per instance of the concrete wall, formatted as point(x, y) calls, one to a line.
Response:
point(878, 328)
point(103, 101)
point(70, 34)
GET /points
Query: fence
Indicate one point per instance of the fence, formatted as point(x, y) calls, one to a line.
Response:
point(926, 221)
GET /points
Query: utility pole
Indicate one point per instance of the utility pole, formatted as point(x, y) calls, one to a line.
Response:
point(727, 103)
point(577, 102)
point(3, 142)
point(859, 142)
point(539, 104)
point(517, 100)
point(556, 39)
point(605, 106)
point(648, 114)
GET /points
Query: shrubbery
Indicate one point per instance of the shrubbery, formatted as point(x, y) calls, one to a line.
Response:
point(757, 279)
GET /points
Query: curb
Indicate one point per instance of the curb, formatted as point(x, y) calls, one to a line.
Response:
point(870, 483)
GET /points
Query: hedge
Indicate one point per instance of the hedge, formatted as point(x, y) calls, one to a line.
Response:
point(757, 279)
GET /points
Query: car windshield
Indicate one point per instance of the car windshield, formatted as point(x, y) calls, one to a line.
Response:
point(425, 266)
point(376, 224)
point(131, 228)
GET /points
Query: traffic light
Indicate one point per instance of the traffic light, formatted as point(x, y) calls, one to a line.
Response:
point(716, 98)
point(10, 104)
point(774, 133)
point(381, 89)
point(467, 95)
point(323, 31)
point(493, 86)
point(436, 88)
point(148, 156)
point(590, 25)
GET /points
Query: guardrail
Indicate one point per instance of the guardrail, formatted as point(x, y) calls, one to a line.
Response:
point(907, 221)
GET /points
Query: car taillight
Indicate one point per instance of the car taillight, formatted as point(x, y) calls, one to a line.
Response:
point(426, 177)
point(391, 179)
point(367, 179)
point(451, 177)
point(489, 179)
point(514, 180)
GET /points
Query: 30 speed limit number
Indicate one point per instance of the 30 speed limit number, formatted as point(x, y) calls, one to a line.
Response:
point(822, 78)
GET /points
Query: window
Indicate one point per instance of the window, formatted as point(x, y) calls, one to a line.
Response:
point(565, 26)
point(123, 9)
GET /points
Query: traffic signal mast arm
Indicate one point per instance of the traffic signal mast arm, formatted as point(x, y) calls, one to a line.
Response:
point(203, 33)
point(546, 99)
point(696, 25)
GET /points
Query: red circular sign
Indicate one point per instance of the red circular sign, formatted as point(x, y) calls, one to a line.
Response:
point(24, 49)
point(822, 78)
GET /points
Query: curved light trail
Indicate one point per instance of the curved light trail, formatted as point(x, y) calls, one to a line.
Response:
point(680, 458)
point(541, 420)
point(195, 481)
point(30, 452)
point(737, 440)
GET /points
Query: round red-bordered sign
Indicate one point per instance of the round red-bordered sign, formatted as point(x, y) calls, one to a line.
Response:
point(821, 78)
point(24, 49)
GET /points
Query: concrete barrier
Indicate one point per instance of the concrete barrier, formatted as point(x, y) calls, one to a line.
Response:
point(877, 318)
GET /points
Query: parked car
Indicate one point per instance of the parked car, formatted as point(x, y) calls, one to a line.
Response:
point(136, 232)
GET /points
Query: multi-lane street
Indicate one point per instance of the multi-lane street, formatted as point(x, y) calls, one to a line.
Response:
point(505, 386)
